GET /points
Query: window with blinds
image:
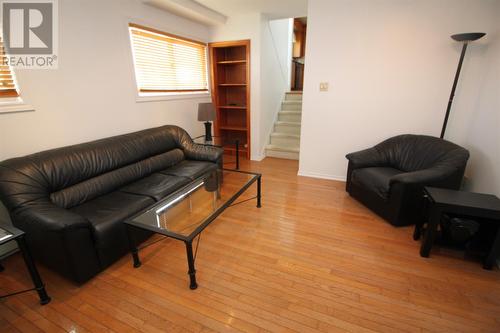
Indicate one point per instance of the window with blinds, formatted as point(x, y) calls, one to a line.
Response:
point(7, 82)
point(166, 63)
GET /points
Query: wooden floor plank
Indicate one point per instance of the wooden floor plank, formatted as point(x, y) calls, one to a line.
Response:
point(312, 259)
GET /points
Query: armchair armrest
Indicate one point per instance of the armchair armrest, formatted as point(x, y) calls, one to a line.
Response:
point(370, 157)
point(425, 177)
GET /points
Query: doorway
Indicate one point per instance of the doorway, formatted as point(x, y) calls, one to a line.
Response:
point(298, 53)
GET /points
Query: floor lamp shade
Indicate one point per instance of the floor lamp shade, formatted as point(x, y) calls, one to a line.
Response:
point(206, 113)
point(465, 38)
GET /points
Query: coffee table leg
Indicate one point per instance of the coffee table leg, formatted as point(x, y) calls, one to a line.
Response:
point(133, 247)
point(237, 144)
point(259, 191)
point(430, 232)
point(489, 262)
point(192, 271)
point(35, 276)
point(418, 230)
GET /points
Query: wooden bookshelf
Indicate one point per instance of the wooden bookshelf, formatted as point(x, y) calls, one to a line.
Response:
point(230, 69)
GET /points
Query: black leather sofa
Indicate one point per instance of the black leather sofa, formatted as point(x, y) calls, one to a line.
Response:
point(71, 201)
point(389, 177)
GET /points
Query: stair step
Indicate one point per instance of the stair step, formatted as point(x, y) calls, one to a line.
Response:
point(285, 140)
point(282, 152)
point(288, 123)
point(291, 116)
point(292, 106)
point(285, 135)
point(287, 127)
point(293, 96)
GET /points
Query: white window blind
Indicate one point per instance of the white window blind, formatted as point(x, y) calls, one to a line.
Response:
point(168, 63)
point(7, 82)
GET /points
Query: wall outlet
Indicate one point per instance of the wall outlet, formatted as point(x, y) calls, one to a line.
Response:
point(323, 86)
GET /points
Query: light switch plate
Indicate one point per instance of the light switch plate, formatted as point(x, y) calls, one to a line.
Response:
point(323, 86)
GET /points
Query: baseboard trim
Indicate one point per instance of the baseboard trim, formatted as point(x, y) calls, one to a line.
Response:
point(258, 158)
point(321, 176)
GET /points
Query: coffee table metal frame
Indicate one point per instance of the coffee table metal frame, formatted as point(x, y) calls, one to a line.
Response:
point(188, 240)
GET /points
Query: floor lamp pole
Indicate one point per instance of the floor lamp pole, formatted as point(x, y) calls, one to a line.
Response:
point(465, 38)
point(452, 94)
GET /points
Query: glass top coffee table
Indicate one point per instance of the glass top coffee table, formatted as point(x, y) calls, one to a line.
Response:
point(184, 214)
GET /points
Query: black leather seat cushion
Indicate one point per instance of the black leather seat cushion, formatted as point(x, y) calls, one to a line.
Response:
point(106, 214)
point(190, 169)
point(376, 179)
point(156, 186)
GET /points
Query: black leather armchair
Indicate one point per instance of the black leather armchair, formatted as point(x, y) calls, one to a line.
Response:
point(389, 177)
point(72, 201)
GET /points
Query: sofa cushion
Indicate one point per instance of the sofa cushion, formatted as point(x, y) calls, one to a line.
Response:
point(106, 214)
point(190, 169)
point(376, 180)
point(156, 186)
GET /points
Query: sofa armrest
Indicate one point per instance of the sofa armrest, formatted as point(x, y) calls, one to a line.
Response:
point(49, 217)
point(60, 239)
point(200, 152)
point(370, 157)
point(194, 151)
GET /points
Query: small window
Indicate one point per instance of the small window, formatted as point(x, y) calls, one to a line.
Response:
point(166, 63)
point(8, 87)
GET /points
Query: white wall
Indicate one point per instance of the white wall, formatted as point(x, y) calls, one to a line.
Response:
point(478, 127)
point(281, 32)
point(276, 58)
point(93, 93)
point(390, 65)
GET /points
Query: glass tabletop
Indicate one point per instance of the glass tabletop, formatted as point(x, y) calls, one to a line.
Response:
point(185, 213)
point(216, 141)
point(8, 233)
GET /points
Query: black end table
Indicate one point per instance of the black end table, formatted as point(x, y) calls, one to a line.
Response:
point(468, 204)
point(10, 233)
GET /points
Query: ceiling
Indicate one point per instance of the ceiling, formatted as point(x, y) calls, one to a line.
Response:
point(274, 9)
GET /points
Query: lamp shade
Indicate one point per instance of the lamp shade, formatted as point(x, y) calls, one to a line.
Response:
point(468, 37)
point(206, 112)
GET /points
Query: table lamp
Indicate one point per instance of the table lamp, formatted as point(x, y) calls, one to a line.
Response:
point(206, 113)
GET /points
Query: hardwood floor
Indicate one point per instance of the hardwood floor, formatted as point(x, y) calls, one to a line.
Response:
point(312, 259)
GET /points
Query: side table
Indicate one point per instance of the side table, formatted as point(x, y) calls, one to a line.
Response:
point(468, 204)
point(217, 141)
point(10, 233)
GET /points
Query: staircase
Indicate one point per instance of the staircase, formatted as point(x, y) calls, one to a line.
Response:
point(285, 139)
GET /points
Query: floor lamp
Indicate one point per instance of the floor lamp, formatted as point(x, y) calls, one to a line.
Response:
point(465, 39)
